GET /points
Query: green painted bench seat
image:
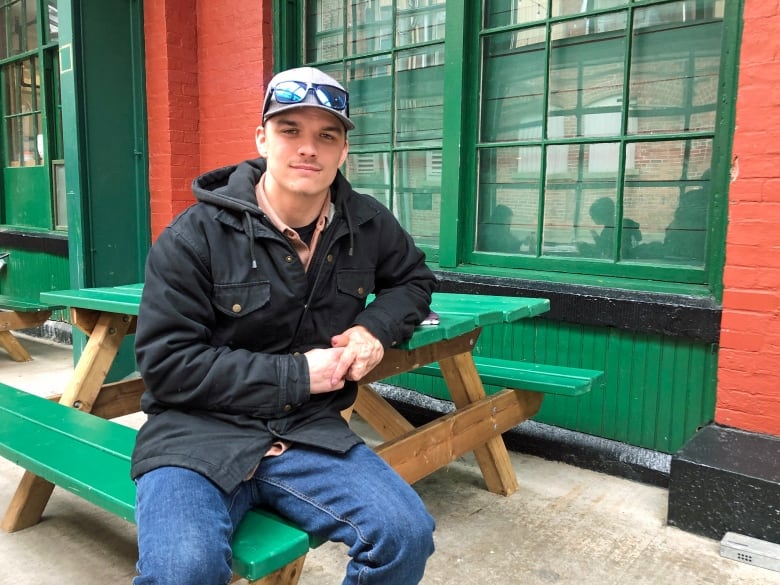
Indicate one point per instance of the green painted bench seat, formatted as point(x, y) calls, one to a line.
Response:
point(25, 305)
point(521, 375)
point(17, 313)
point(90, 457)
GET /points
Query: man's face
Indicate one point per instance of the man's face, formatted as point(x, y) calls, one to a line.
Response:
point(303, 147)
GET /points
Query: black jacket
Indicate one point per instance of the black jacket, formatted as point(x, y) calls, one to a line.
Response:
point(227, 310)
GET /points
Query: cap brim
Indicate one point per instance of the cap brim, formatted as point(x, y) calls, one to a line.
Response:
point(276, 108)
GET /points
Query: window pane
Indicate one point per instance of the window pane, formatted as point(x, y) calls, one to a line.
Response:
point(419, 95)
point(513, 85)
point(669, 195)
point(574, 223)
point(567, 7)
point(370, 106)
point(18, 27)
point(369, 173)
point(369, 27)
point(419, 21)
point(24, 138)
point(507, 12)
point(508, 202)
point(60, 197)
point(324, 30)
point(417, 200)
point(53, 21)
point(585, 68)
point(675, 68)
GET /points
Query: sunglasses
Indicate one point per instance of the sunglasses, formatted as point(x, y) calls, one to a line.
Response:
point(294, 92)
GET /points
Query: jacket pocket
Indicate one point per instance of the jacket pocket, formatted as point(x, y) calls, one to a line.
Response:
point(238, 300)
point(355, 283)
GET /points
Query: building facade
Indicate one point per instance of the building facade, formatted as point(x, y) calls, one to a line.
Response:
point(614, 156)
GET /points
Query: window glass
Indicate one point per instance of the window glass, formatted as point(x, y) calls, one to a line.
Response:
point(22, 114)
point(417, 200)
point(585, 140)
point(512, 84)
point(369, 26)
point(419, 21)
point(324, 30)
point(419, 95)
point(508, 200)
point(507, 12)
point(681, 95)
point(53, 22)
point(33, 191)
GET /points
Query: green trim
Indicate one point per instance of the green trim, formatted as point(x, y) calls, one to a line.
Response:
point(722, 148)
point(453, 173)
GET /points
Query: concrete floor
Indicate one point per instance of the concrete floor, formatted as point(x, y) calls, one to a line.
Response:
point(565, 525)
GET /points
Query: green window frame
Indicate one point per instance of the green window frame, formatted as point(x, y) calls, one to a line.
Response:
point(31, 136)
point(584, 141)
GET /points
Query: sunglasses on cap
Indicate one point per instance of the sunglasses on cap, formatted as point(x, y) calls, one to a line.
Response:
point(294, 92)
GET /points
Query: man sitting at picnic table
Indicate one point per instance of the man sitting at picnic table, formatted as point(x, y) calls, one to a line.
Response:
point(251, 334)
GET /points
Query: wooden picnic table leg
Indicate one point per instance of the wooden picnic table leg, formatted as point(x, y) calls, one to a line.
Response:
point(13, 347)
point(465, 387)
point(33, 492)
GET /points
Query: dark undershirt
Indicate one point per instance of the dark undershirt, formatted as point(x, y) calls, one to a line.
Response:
point(306, 232)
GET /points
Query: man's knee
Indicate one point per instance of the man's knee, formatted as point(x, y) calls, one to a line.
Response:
point(194, 561)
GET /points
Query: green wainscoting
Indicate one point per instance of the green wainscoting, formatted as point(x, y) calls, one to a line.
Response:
point(27, 273)
point(658, 390)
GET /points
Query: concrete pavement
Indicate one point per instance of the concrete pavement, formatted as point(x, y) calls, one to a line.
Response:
point(565, 525)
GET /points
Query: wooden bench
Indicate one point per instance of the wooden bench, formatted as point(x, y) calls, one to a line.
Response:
point(90, 456)
point(521, 375)
point(20, 314)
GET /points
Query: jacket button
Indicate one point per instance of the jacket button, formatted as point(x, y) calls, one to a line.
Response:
point(236, 308)
point(329, 258)
point(361, 290)
point(289, 259)
point(287, 407)
point(296, 353)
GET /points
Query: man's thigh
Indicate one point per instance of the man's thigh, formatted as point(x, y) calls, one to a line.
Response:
point(338, 496)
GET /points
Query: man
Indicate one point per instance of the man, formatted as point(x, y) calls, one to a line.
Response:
point(252, 332)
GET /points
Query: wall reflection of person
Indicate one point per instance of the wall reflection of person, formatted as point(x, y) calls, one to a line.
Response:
point(602, 212)
point(496, 235)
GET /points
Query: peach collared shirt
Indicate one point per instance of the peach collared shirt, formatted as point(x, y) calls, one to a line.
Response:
point(305, 252)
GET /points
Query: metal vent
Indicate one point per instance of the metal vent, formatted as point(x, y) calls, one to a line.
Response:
point(751, 551)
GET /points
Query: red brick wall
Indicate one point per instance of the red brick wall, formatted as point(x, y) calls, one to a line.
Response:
point(748, 386)
point(206, 68)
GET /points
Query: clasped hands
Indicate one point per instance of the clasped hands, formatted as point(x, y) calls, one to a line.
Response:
point(351, 356)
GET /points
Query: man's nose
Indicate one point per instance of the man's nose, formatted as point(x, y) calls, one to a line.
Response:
point(307, 147)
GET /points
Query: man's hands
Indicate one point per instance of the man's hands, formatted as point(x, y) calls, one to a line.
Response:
point(362, 351)
point(353, 354)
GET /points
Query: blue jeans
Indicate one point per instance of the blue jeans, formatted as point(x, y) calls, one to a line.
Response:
point(185, 522)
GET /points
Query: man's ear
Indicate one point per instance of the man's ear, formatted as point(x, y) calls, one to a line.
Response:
point(344, 152)
point(260, 141)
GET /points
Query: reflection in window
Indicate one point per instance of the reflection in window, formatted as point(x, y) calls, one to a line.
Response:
point(583, 102)
point(22, 113)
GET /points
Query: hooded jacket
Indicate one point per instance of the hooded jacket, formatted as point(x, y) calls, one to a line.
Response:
point(228, 311)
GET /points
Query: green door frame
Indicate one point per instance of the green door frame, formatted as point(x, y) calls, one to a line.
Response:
point(105, 146)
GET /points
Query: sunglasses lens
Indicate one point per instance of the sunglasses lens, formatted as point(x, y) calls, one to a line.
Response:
point(290, 92)
point(330, 96)
point(294, 92)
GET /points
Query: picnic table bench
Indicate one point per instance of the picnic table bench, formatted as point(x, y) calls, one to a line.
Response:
point(20, 314)
point(90, 455)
